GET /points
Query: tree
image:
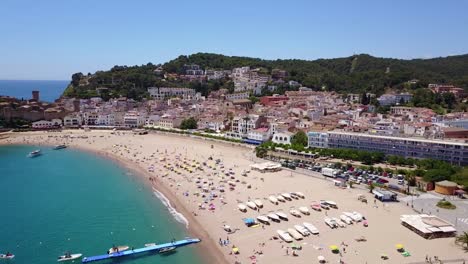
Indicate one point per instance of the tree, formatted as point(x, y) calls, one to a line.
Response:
point(462, 239)
point(261, 151)
point(364, 99)
point(299, 139)
point(189, 123)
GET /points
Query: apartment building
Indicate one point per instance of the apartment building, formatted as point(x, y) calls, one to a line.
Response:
point(161, 93)
point(73, 120)
point(450, 151)
point(133, 119)
point(317, 139)
point(237, 96)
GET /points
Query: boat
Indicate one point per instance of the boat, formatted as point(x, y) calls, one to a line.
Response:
point(324, 205)
point(293, 195)
point(273, 217)
point(242, 207)
point(117, 249)
point(316, 206)
point(346, 219)
point(258, 203)
point(166, 249)
point(330, 222)
point(300, 195)
point(273, 199)
point(280, 198)
point(34, 153)
point(61, 146)
point(302, 230)
point(284, 236)
point(356, 218)
point(304, 210)
point(295, 212)
point(7, 256)
point(150, 244)
point(296, 235)
point(286, 196)
point(251, 205)
point(311, 228)
point(263, 219)
point(339, 222)
point(68, 257)
point(282, 216)
point(332, 204)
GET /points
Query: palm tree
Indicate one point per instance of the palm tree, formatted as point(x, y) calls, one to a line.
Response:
point(463, 240)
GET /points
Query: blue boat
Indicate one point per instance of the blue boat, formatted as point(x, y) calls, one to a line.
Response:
point(166, 247)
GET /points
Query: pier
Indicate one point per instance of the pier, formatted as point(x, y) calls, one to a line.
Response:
point(156, 249)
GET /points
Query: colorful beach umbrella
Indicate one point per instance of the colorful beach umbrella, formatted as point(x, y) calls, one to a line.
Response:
point(334, 247)
point(399, 246)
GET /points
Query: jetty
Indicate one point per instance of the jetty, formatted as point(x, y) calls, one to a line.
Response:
point(161, 248)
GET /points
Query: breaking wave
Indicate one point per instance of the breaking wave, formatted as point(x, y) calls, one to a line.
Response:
point(177, 216)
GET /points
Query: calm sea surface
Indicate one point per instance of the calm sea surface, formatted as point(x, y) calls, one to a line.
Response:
point(72, 200)
point(49, 90)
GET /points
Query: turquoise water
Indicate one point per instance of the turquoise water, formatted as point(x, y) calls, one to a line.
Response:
point(72, 200)
point(49, 90)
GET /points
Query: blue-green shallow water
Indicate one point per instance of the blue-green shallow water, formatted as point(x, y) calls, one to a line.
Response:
point(72, 200)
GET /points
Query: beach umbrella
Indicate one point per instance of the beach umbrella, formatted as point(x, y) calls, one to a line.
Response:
point(321, 258)
point(334, 247)
point(399, 246)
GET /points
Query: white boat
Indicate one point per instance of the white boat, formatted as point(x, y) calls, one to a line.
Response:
point(251, 205)
point(61, 146)
point(286, 196)
point(150, 245)
point(117, 249)
point(258, 203)
point(68, 257)
point(282, 215)
point(296, 235)
point(346, 219)
point(302, 230)
point(34, 153)
point(273, 217)
point(304, 210)
point(263, 219)
point(7, 256)
point(358, 216)
point(324, 205)
point(242, 207)
point(311, 228)
point(295, 212)
point(332, 204)
point(293, 195)
point(166, 249)
point(339, 222)
point(299, 194)
point(280, 198)
point(273, 199)
point(285, 236)
point(330, 222)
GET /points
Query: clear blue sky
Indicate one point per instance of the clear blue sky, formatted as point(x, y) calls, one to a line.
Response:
point(46, 39)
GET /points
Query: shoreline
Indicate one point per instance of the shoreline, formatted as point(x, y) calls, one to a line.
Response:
point(207, 249)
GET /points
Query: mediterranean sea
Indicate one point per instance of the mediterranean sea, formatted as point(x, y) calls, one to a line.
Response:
point(70, 200)
point(49, 90)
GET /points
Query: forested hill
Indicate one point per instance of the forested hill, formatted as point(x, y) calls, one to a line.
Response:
point(354, 74)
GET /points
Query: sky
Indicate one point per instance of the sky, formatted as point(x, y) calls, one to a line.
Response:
point(52, 39)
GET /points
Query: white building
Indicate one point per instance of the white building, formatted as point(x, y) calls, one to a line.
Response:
point(72, 121)
point(161, 93)
point(282, 138)
point(317, 140)
point(45, 124)
point(105, 120)
point(90, 118)
point(169, 122)
point(134, 119)
point(237, 96)
point(259, 134)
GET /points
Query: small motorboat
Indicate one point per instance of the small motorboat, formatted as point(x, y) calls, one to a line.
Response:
point(280, 198)
point(286, 196)
point(284, 236)
point(296, 235)
point(242, 207)
point(150, 244)
point(295, 212)
point(273, 217)
point(273, 199)
point(251, 205)
point(316, 206)
point(346, 219)
point(304, 210)
point(263, 219)
point(258, 203)
point(339, 222)
point(332, 204)
point(300, 195)
point(35, 153)
point(8, 255)
point(61, 146)
point(113, 250)
point(68, 257)
point(311, 228)
point(282, 216)
point(358, 216)
point(324, 205)
point(330, 222)
point(166, 249)
point(294, 196)
point(302, 230)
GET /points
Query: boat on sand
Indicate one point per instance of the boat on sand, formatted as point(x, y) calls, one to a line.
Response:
point(263, 219)
point(284, 236)
point(242, 207)
point(251, 205)
point(304, 210)
point(296, 235)
point(311, 228)
point(273, 199)
point(273, 217)
point(302, 230)
point(258, 203)
point(295, 212)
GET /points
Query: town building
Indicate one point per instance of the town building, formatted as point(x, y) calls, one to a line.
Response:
point(134, 119)
point(162, 93)
point(282, 138)
point(317, 139)
point(393, 99)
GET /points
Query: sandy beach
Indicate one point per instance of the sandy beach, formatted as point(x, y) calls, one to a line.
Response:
point(185, 170)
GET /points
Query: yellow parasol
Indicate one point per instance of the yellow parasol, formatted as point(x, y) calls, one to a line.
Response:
point(235, 250)
point(399, 246)
point(334, 247)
